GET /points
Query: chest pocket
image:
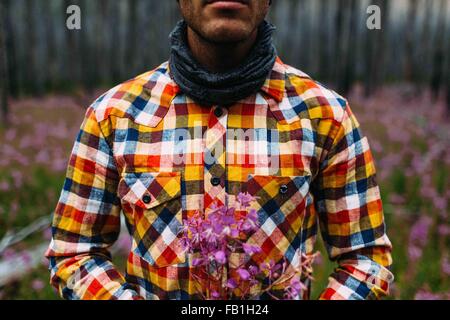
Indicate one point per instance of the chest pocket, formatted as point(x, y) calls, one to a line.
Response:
point(154, 200)
point(281, 205)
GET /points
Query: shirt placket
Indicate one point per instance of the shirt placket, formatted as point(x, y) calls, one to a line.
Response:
point(215, 159)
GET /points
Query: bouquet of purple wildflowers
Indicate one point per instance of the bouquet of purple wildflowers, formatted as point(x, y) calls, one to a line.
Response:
point(215, 243)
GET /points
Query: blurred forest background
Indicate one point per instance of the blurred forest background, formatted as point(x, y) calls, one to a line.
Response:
point(396, 78)
point(327, 38)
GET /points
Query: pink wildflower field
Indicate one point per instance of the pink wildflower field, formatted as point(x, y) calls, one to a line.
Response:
point(409, 134)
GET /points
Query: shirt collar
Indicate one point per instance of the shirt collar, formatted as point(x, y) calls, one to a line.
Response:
point(274, 86)
point(160, 90)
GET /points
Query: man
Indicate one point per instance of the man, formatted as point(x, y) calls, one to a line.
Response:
point(225, 115)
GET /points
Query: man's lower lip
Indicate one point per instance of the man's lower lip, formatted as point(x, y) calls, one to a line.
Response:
point(227, 5)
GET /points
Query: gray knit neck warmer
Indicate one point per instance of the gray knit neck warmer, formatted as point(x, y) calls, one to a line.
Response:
point(209, 88)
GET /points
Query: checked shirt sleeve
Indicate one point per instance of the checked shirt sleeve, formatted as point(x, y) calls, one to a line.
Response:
point(87, 221)
point(348, 202)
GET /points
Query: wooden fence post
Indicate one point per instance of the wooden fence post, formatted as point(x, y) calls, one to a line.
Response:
point(4, 87)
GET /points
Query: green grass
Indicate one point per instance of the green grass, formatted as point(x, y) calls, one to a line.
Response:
point(23, 290)
point(37, 197)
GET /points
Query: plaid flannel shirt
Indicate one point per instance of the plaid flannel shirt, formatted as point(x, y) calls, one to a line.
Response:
point(149, 151)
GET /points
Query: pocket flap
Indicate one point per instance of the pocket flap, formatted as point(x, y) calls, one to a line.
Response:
point(279, 193)
point(273, 186)
point(149, 189)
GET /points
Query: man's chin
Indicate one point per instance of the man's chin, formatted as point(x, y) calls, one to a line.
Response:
point(227, 32)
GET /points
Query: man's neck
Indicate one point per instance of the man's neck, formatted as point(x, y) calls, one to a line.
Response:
point(219, 57)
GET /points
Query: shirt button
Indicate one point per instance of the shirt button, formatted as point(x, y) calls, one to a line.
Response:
point(218, 112)
point(284, 189)
point(146, 199)
point(215, 181)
